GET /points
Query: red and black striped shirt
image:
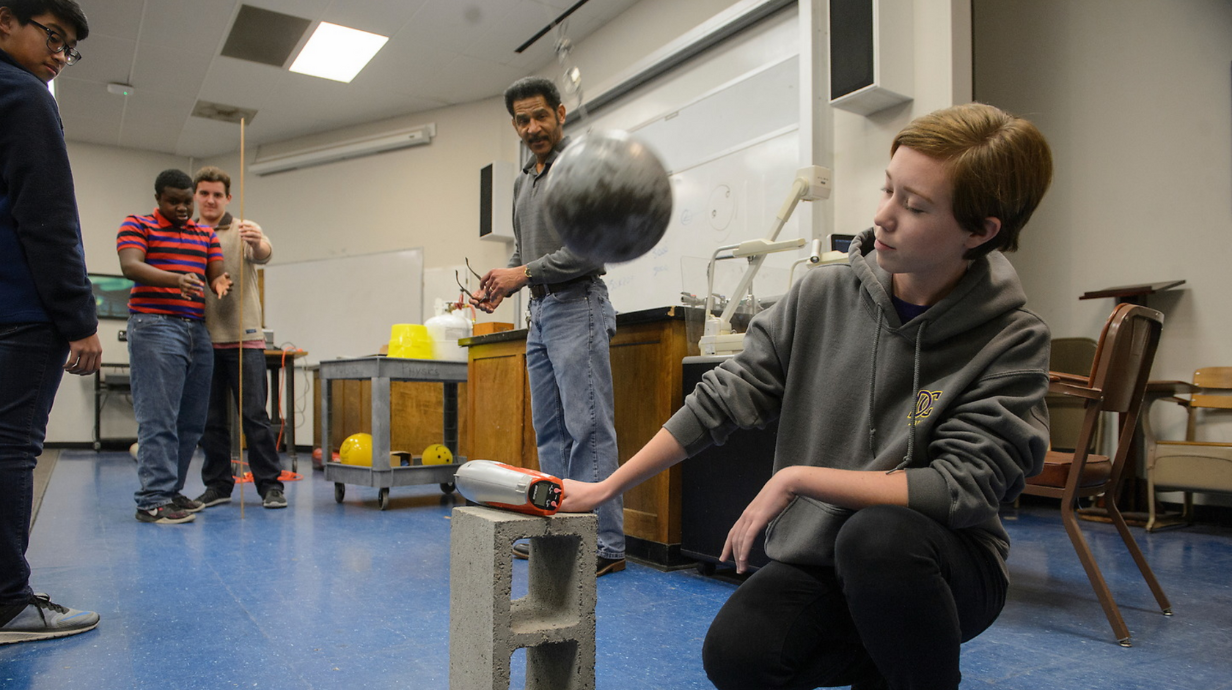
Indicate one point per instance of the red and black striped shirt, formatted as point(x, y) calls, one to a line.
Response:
point(184, 250)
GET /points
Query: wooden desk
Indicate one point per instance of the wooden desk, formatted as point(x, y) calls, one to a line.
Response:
point(108, 379)
point(646, 370)
point(281, 368)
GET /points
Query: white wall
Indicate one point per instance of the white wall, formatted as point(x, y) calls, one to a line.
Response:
point(1133, 95)
point(942, 62)
point(111, 183)
point(1141, 132)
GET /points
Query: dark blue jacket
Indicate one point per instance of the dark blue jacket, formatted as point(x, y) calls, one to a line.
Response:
point(42, 261)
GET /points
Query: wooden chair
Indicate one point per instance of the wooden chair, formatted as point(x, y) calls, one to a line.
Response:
point(1065, 413)
point(1190, 465)
point(1117, 383)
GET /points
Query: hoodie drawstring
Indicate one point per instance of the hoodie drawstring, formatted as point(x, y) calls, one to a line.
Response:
point(915, 388)
point(872, 391)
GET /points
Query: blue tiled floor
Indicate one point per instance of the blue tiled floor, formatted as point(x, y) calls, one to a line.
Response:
point(323, 595)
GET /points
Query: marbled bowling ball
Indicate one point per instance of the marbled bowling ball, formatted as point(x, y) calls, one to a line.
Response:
point(608, 197)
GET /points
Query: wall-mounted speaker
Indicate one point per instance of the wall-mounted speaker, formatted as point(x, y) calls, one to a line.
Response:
point(871, 50)
point(496, 201)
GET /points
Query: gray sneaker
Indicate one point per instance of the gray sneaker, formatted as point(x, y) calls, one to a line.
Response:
point(165, 515)
point(274, 498)
point(213, 497)
point(186, 504)
point(43, 620)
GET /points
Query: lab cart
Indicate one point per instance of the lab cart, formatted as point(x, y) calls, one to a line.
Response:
point(381, 370)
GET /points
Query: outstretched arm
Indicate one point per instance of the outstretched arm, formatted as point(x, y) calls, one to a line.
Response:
point(660, 453)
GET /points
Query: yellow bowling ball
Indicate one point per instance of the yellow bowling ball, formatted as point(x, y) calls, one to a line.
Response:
point(437, 454)
point(356, 450)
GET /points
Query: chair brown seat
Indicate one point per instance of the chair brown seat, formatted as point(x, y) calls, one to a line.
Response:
point(1095, 472)
point(1117, 383)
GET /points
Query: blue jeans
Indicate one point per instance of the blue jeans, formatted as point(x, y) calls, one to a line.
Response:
point(32, 357)
point(571, 394)
point(262, 452)
point(171, 362)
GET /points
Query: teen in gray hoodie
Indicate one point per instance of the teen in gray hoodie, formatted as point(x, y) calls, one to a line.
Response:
point(909, 389)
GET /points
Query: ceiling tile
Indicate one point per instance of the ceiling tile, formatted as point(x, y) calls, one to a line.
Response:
point(194, 25)
point(116, 19)
point(242, 83)
point(88, 99)
point(170, 71)
point(487, 79)
point(384, 18)
point(452, 24)
point(405, 67)
point(103, 59)
point(440, 52)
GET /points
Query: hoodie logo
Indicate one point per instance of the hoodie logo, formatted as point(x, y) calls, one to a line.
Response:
point(924, 402)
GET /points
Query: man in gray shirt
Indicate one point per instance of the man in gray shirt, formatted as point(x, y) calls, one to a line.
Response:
point(572, 321)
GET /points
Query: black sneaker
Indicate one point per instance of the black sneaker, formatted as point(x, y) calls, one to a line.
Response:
point(165, 515)
point(603, 566)
point(213, 497)
point(274, 498)
point(43, 620)
point(186, 504)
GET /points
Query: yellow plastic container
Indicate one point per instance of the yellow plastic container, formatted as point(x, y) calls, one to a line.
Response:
point(410, 341)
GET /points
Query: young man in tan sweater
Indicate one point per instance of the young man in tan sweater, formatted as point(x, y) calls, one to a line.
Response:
point(212, 193)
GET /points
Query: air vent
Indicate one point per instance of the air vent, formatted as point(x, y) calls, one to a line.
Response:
point(263, 36)
point(223, 113)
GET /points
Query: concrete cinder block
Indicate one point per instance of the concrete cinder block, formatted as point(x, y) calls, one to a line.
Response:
point(555, 621)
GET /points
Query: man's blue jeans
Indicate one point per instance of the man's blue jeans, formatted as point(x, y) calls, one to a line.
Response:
point(570, 375)
point(171, 363)
point(32, 357)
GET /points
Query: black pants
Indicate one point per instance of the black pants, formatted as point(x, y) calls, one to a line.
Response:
point(262, 453)
point(32, 358)
point(904, 593)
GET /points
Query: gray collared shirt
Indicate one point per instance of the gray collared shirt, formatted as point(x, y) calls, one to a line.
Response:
point(536, 244)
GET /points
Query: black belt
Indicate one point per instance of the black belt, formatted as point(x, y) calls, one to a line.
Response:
point(542, 290)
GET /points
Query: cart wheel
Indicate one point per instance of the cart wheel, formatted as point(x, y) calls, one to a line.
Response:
point(339, 491)
point(705, 568)
point(382, 499)
point(447, 487)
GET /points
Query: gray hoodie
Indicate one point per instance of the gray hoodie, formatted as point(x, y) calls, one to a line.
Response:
point(846, 380)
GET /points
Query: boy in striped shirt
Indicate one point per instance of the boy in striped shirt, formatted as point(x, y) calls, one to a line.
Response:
point(170, 258)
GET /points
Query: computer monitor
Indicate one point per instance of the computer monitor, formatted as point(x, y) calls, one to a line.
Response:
point(111, 295)
point(840, 243)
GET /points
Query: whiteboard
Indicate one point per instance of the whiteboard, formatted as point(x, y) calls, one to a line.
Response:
point(730, 142)
point(345, 306)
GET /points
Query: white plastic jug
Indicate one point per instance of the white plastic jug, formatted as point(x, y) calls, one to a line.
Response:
point(445, 329)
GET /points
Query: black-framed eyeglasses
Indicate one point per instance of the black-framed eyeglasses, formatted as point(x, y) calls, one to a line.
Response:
point(466, 292)
point(57, 44)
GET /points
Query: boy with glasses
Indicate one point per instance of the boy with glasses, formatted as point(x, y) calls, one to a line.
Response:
point(48, 323)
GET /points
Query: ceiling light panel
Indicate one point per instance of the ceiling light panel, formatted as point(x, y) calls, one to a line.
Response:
point(337, 52)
